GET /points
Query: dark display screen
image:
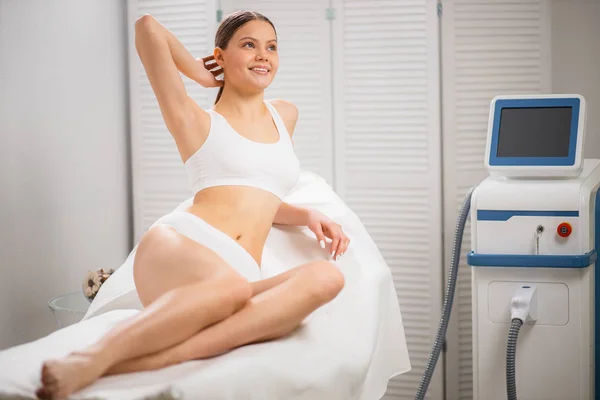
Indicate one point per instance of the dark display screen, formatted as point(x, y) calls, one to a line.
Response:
point(534, 132)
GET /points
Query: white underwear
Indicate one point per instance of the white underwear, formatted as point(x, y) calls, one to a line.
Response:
point(225, 246)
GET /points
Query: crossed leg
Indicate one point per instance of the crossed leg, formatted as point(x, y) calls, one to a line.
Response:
point(278, 306)
point(181, 321)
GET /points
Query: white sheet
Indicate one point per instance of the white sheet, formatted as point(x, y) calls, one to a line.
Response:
point(347, 349)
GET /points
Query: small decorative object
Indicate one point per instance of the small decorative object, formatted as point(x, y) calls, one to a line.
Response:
point(93, 280)
point(68, 308)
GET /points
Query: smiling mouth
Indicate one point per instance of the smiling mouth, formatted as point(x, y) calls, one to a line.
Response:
point(260, 70)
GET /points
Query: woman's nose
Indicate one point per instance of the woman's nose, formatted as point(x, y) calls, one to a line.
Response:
point(260, 56)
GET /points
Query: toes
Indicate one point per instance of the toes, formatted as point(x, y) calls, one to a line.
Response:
point(48, 380)
point(43, 394)
point(47, 375)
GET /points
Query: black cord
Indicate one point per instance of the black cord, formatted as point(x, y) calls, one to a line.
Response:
point(511, 355)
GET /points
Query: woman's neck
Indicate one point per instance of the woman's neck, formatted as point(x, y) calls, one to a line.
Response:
point(241, 105)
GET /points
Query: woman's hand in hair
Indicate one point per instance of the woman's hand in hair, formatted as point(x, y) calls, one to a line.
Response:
point(210, 70)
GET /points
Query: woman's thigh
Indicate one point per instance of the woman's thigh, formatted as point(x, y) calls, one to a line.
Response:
point(166, 259)
point(316, 273)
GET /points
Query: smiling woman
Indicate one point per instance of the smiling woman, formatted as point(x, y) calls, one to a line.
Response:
point(203, 293)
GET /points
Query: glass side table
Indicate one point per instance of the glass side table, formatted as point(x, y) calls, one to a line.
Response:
point(68, 308)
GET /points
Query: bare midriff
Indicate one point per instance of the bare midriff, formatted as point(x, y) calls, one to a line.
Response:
point(242, 212)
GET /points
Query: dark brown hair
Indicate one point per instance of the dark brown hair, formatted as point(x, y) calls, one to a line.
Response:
point(230, 25)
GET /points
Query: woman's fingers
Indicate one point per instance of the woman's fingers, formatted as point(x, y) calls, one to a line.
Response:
point(335, 242)
point(209, 78)
point(345, 244)
point(210, 63)
point(339, 240)
point(341, 246)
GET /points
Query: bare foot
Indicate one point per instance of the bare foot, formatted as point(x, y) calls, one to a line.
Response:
point(148, 362)
point(64, 376)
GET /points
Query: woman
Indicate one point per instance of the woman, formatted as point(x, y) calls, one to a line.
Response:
point(241, 162)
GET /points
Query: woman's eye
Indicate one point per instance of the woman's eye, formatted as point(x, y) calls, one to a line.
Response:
point(274, 48)
point(249, 43)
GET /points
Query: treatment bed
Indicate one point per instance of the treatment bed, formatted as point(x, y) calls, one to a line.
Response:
point(346, 350)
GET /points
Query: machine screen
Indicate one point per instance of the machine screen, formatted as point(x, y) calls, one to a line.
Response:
point(534, 132)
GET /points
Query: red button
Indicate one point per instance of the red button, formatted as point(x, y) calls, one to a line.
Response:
point(564, 229)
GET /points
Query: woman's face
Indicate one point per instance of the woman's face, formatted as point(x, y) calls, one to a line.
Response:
point(251, 58)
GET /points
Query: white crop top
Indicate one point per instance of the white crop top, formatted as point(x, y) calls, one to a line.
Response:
point(228, 158)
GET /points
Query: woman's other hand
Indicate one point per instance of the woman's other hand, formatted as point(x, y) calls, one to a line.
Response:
point(322, 226)
point(210, 70)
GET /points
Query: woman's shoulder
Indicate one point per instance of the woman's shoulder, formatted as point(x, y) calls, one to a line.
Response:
point(284, 105)
point(287, 111)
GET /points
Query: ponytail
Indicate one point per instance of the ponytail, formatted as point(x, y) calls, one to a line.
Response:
point(219, 94)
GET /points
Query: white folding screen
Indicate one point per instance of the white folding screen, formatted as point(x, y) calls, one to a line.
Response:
point(387, 152)
point(489, 47)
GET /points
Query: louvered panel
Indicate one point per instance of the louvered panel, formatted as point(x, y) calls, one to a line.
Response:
point(166, 197)
point(387, 147)
point(159, 178)
point(489, 71)
point(398, 220)
point(304, 76)
point(489, 48)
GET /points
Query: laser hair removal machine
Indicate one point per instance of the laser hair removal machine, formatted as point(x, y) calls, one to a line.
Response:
point(534, 236)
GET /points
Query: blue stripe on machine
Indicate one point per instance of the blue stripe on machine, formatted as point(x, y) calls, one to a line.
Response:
point(505, 215)
point(526, 260)
point(596, 300)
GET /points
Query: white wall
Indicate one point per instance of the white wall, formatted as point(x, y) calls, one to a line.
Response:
point(576, 59)
point(64, 154)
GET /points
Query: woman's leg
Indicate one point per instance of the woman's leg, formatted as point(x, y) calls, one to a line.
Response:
point(280, 305)
point(180, 311)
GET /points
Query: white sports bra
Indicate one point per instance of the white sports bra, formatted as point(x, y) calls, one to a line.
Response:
point(228, 158)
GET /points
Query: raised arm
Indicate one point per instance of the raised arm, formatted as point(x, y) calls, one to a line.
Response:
point(163, 57)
